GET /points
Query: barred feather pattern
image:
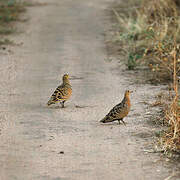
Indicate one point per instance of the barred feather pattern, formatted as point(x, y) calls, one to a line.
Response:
point(62, 92)
point(119, 111)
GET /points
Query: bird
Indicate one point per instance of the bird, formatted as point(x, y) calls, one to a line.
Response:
point(62, 92)
point(121, 110)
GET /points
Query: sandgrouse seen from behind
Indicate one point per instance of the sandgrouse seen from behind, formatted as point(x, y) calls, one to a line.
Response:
point(119, 111)
point(62, 92)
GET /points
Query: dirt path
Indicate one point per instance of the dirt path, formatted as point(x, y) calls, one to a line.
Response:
point(67, 36)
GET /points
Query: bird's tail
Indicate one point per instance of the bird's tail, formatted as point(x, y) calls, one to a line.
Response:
point(50, 102)
point(106, 119)
point(103, 120)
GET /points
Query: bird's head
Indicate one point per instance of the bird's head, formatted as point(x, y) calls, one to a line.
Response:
point(66, 77)
point(127, 93)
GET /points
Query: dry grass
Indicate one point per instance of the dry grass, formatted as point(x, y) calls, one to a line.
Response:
point(149, 34)
point(171, 140)
point(163, 21)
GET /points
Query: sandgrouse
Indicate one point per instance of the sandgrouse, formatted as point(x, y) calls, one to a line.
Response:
point(62, 92)
point(119, 111)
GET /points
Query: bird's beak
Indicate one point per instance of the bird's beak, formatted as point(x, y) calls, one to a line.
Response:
point(131, 91)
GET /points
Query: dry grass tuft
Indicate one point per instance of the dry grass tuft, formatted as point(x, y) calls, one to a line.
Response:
point(171, 140)
point(149, 34)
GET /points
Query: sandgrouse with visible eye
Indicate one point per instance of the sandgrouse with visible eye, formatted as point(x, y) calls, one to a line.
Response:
point(118, 112)
point(62, 92)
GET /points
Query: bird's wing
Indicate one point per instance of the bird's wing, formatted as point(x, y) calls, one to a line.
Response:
point(60, 93)
point(116, 112)
point(113, 113)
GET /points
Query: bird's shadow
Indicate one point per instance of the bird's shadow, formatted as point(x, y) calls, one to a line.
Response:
point(76, 106)
point(75, 78)
point(112, 124)
point(55, 107)
point(83, 106)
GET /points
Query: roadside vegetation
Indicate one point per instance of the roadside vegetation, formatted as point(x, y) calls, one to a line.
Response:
point(149, 36)
point(9, 12)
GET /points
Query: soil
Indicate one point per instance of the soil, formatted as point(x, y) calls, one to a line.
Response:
point(42, 143)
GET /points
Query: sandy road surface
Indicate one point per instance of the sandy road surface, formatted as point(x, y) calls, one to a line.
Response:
point(67, 36)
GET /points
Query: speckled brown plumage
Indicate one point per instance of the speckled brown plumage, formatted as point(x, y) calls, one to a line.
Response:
point(119, 111)
point(62, 92)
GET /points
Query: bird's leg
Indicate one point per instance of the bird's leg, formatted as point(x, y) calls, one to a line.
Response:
point(123, 122)
point(62, 104)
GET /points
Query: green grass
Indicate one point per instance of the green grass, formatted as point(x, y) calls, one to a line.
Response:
point(6, 30)
point(9, 12)
point(6, 42)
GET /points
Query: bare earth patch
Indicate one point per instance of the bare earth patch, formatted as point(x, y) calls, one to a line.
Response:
point(42, 143)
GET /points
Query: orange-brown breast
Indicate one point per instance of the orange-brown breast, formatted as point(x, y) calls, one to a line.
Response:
point(68, 93)
point(125, 109)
